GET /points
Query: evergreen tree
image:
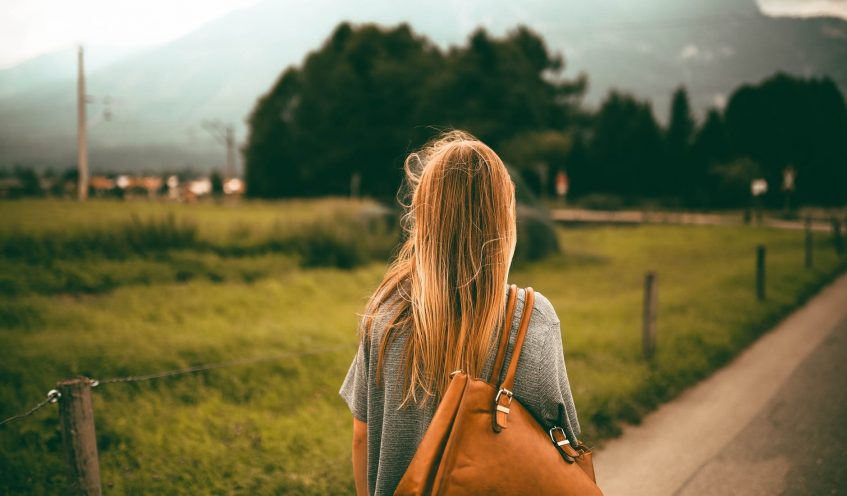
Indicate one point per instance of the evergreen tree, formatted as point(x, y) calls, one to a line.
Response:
point(710, 147)
point(788, 121)
point(217, 184)
point(578, 168)
point(710, 141)
point(625, 151)
point(679, 177)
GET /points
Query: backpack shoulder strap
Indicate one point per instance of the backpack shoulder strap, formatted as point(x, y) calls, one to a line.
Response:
point(496, 370)
point(504, 396)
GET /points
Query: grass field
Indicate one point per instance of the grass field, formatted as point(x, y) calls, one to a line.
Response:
point(279, 427)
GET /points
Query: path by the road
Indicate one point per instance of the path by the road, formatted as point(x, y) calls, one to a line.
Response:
point(771, 422)
point(579, 215)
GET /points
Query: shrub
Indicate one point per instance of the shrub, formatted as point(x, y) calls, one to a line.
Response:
point(536, 235)
point(341, 240)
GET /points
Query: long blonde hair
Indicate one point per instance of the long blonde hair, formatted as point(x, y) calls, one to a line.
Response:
point(450, 273)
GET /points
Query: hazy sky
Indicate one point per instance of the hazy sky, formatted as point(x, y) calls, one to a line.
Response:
point(33, 27)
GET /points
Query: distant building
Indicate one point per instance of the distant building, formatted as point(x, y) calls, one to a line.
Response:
point(134, 186)
point(10, 187)
point(196, 188)
point(173, 187)
point(234, 186)
point(101, 185)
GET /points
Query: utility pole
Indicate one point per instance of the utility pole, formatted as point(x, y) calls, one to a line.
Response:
point(230, 154)
point(224, 134)
point(82, 140)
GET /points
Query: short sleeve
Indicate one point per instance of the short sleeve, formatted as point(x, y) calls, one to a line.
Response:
point(354, 389)
point(559, 403)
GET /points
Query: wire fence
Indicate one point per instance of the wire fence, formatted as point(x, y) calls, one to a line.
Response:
point(76, 410)
point(53, 395)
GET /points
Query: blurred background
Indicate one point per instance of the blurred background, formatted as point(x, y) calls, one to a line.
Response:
point(214, 183)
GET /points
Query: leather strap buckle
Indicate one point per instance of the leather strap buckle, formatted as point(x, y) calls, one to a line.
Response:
point(565, 449)
point(505, 391)
point(564, 440)
point(503, 408)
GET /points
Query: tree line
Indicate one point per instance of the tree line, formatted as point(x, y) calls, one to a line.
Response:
point(369, 95)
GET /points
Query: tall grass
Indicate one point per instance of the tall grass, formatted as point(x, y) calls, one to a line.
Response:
point(134, 237)
point(86, 257)
point(279, 427)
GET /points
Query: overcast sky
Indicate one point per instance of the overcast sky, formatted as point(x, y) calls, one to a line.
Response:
point(33, 27)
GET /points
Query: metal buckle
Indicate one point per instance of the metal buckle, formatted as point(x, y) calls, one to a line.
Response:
point(561, 444)
point(558, 443)
point(508, 394)
point(581, 448)
point(501, 408)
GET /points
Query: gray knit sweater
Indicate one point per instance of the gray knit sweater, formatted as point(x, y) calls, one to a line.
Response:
point(541, 385)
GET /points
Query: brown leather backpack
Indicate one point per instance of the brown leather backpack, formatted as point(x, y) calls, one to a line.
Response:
point(483, 441)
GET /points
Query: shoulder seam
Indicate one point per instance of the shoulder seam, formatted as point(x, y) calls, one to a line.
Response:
point(550, 315)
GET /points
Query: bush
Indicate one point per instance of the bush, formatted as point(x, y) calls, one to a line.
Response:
point(342, 241)
point(536, 235)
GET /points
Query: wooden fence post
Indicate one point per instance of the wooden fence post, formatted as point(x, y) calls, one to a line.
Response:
point(808, 242)
point(648, 336)
point(836, 236)
point(760, 272)
point(79, 439)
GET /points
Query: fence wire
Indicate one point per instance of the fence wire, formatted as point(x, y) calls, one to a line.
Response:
point(219, 365)
point(54, 395)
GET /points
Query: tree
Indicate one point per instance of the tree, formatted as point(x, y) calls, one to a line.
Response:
point(217, 184)
point(30, 182)
point(679, 177)
point(710, 147)
point(791, 121)
point(578, 167)
point(625, 151)
point(349, 108)
point(538, 155)
point(733, 180)
point(370, 94)
point(499, 88)
point(711, 142)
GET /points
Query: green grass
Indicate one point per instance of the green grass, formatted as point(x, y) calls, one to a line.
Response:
point(61, 247)
point(279, 427)
point(217, 222)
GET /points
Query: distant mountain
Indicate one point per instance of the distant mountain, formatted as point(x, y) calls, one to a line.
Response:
point(159, 97)
point(55, 67)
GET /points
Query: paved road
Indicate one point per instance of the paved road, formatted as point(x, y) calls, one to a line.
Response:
point(797, 444)
point(774, 421)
